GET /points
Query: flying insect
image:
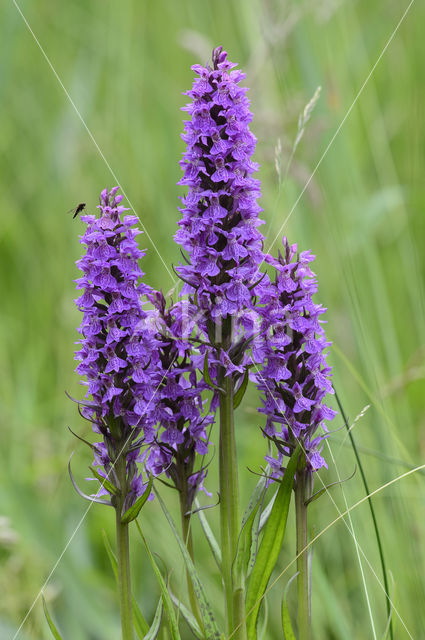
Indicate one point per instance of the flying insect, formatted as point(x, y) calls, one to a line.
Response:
point(78, 209)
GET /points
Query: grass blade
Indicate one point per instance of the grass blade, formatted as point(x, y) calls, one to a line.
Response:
point(270, 546)
point(373, 515)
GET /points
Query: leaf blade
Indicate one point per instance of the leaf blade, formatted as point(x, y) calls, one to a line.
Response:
point(211, 539)
point(238, 397)
point(156, 623)
point(270, 546)
point(187, 615)
point(132, 513)
point(208, 620)
point(288, 631)
point(50, 622)
point(168, 605)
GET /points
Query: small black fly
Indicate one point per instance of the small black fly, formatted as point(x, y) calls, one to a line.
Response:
point(78, 209)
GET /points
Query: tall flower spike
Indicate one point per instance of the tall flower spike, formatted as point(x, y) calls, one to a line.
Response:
point(295, 378)
point(219, 233)
point(218, 229)
point(182, 438)
point(116, 345)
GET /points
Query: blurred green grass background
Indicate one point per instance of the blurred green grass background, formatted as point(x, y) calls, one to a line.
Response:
point(125, 65)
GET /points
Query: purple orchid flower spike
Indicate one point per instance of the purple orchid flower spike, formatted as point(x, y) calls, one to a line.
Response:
point(219, 225)
point(295, 377)
point(116, 348)
point(181, 442)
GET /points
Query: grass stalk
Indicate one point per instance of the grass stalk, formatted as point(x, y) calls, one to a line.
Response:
point(372, 513)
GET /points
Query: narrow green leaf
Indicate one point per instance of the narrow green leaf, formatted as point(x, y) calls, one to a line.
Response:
point(237, 398)
point(206, 372)
point(81, 493)
point(104, 481)
point(55, 632)
point(243, 554)
point(270, 546)
point(168, 605)
point(211, 539)
point(132, 513)
point(139, 621)
point(208, 620)
point(265, 514)
point(188, 616)
point(320, 492)
point(263, 631)
point(156, 624)
point(288, 631)
point(207, 376)
point(89, 444)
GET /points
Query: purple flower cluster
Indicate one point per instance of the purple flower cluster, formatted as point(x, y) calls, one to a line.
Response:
point(218, 229)
point(295, 377)
point(179, 409)
point(116, 345)
point(141, 365)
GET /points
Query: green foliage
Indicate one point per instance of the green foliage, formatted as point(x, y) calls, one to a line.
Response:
point(166, 599)
point(50, 622)
point(210, 627)
point(132, 513)
point(238, 397)
point(270, 546)
point(140, 624)
point(156, 624)
point(288, 631)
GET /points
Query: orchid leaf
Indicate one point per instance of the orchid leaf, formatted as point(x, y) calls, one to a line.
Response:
point(139, 621)
point(270, 546)
point(207, 376)
point(81, 493)
point(237, 398)
point(132, 513)
point(104, 481)
point(55, 632)
point(211, 630)
point(242, 560)
point(265, 514)
point(168, 605)
point(288, 631)
point(211, 539)
point(89, 444)
point(156, 624)
point(264, 621)
point(320, 492)
point(188, 616)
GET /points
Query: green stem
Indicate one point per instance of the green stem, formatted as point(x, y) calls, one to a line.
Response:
point(229, 510)
point(302, 559)
point(123, 556)
point(188, 540)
